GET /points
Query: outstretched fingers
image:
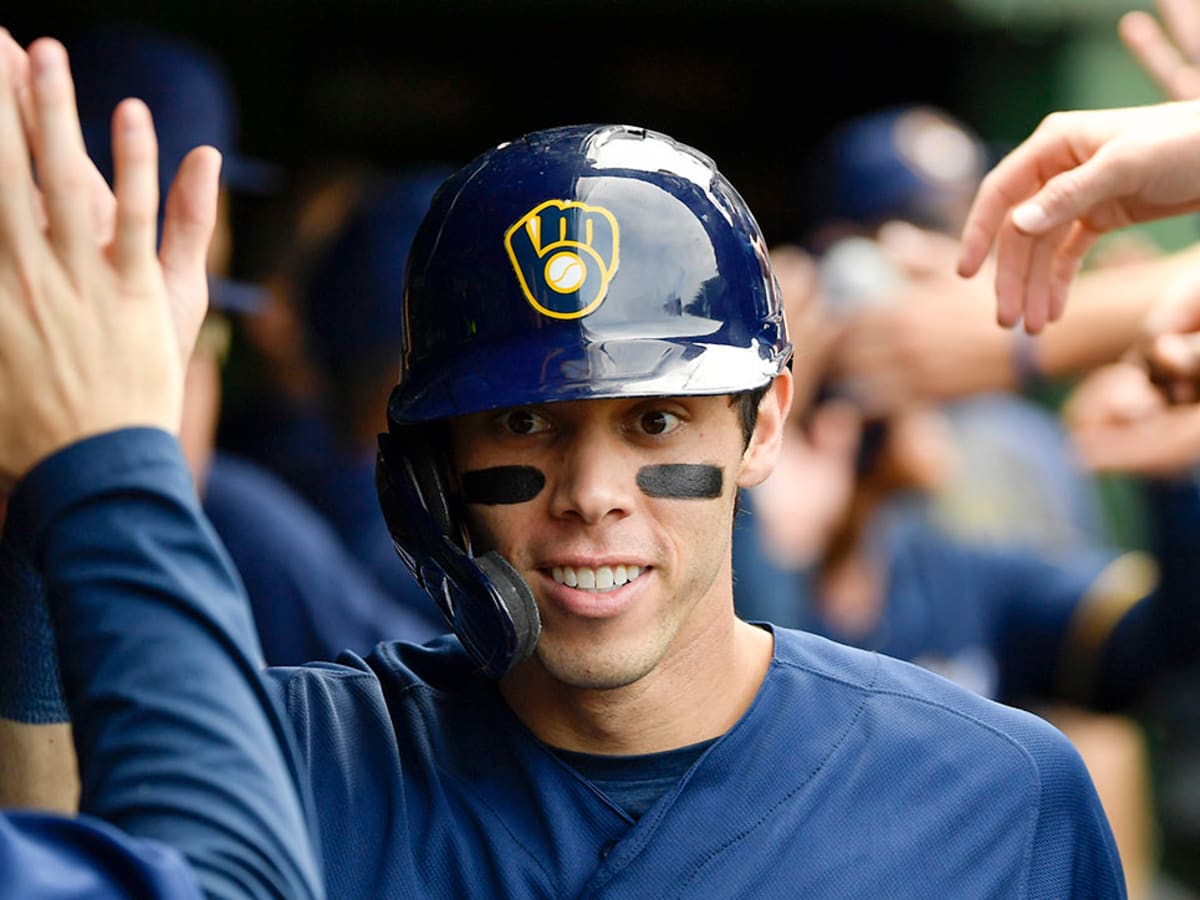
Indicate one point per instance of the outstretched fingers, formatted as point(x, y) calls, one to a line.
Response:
point(63, 167)
point(1042, 208)
point(1033, 190)
point(100, 198)
point(999, 190)
point(1067, 261)
point(1038, 299)
point(191, 215)
point(1012, 266)
point(1182, 18)
point(18, 196)
point(1086, 192)
point(1158, 56)
point(135, 158)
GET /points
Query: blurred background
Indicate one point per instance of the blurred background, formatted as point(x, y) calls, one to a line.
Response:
point(752, 81)
point(332, 95)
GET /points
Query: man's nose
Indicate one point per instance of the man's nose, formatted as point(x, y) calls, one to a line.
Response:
point(596, 479)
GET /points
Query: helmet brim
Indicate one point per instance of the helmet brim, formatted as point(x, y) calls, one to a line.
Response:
point(601, 370)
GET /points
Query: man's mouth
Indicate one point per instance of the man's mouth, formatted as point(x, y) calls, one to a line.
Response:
point(601, 578)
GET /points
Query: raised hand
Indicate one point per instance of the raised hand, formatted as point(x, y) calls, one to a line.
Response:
point(95, 326)
point(1119, 422)
point(1167, 48)
point(1078, 175)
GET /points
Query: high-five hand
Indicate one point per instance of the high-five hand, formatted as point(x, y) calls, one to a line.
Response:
point(1078, 175)
point(95, 325)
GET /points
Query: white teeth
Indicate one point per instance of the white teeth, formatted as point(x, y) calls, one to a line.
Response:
point(603, 578)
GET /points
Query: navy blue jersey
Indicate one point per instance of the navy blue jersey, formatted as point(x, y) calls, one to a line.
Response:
point(50, 857)
point(851, 775)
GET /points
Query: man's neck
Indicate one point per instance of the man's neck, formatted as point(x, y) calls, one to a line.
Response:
point(697, 694)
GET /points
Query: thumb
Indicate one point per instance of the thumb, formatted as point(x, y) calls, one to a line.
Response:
point(191, 216)
point(1070, 195)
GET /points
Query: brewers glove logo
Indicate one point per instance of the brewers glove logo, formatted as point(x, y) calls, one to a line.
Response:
point(565, 254)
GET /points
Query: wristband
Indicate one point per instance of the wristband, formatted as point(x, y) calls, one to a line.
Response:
point(31, 688)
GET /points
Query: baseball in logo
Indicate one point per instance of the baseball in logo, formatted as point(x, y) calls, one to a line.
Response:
point(564, 253)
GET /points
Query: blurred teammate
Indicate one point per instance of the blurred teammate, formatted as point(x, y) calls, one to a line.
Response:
point(897, 184)
point(310, 597)
point(352, 318)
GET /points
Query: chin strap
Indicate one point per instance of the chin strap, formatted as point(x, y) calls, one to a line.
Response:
point(484, 599)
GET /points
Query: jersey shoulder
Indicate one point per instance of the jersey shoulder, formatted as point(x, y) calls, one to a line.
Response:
point(901, 694)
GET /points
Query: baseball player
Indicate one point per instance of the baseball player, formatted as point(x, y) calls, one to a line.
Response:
point(595, 362)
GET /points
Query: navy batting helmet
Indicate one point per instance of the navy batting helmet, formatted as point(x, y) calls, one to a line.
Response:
point(582, 262)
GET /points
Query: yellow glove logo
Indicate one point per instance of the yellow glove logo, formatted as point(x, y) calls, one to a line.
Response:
point(565, 254)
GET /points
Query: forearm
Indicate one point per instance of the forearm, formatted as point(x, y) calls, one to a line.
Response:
point(176, 734)
point(1105, 312)
point(37, 767)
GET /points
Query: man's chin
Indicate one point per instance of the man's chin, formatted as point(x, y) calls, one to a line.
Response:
point(598, 668)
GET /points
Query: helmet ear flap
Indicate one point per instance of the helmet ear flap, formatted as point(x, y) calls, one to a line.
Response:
point(429, 479)
point(485, 600)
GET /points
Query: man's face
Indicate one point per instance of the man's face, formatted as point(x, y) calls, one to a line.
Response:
point(618, 514)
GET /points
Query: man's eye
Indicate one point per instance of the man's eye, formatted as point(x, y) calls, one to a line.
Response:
point(523, 421)
point(659, 422)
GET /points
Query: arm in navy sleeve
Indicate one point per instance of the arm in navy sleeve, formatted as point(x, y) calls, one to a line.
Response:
point(1160, 634)
point(51, 857)
point(30, 688)
point(177, 735)
point(1102, 628)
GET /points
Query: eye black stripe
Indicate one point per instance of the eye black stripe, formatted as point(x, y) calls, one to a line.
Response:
point(681, 481)
point(502, 485)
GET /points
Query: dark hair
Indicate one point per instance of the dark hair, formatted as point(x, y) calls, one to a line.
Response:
point(747, 403)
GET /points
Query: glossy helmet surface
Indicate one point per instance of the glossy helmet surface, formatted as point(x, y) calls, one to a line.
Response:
point(585, 262)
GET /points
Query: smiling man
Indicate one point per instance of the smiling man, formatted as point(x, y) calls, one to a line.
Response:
point(626, 548)
point(595, 362)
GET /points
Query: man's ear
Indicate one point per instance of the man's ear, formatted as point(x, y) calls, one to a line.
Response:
point(763, 452)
